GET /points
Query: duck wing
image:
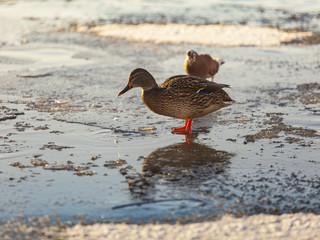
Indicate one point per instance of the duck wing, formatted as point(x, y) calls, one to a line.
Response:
point(192, 84)
point(168, 82)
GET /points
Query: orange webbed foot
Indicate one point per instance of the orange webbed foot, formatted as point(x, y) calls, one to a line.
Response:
point(181, 131)
point(178, 128)
point(185, 129)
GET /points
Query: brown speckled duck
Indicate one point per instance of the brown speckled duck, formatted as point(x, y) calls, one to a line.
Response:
point(201, 65)
point(184, 97)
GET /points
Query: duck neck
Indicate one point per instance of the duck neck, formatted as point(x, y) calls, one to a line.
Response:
point(151, 85)
point(149, 90)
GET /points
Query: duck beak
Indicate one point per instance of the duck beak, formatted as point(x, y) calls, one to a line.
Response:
point(127, 88)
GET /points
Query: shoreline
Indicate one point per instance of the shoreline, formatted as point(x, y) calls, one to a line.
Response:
point(298, 226)
point(286, 226)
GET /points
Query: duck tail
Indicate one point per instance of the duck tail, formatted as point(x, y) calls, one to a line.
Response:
point(231, 102)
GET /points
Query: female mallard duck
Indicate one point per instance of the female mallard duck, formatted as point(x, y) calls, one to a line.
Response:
point(184, 97)
point(201, 65)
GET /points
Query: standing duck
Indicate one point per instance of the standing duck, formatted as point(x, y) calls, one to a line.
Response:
point(201, 65)
point(184, 97)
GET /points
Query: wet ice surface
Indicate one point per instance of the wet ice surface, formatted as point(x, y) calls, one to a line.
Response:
point(70, 147)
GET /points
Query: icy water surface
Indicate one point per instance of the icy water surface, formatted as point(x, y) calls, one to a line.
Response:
point(71, 148)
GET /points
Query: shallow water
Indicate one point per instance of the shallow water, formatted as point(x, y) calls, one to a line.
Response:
point(36, 59)
point(73, 148)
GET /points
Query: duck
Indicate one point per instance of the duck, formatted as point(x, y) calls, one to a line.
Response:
point(181, 96)
point(201, 65)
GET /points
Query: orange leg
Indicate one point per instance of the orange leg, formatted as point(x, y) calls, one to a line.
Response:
point(185, 129)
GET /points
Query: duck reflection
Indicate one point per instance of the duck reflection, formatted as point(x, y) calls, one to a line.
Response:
point(184, 156)
point(178, 164)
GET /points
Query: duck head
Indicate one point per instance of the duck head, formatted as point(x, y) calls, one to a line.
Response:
point(139, 77)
